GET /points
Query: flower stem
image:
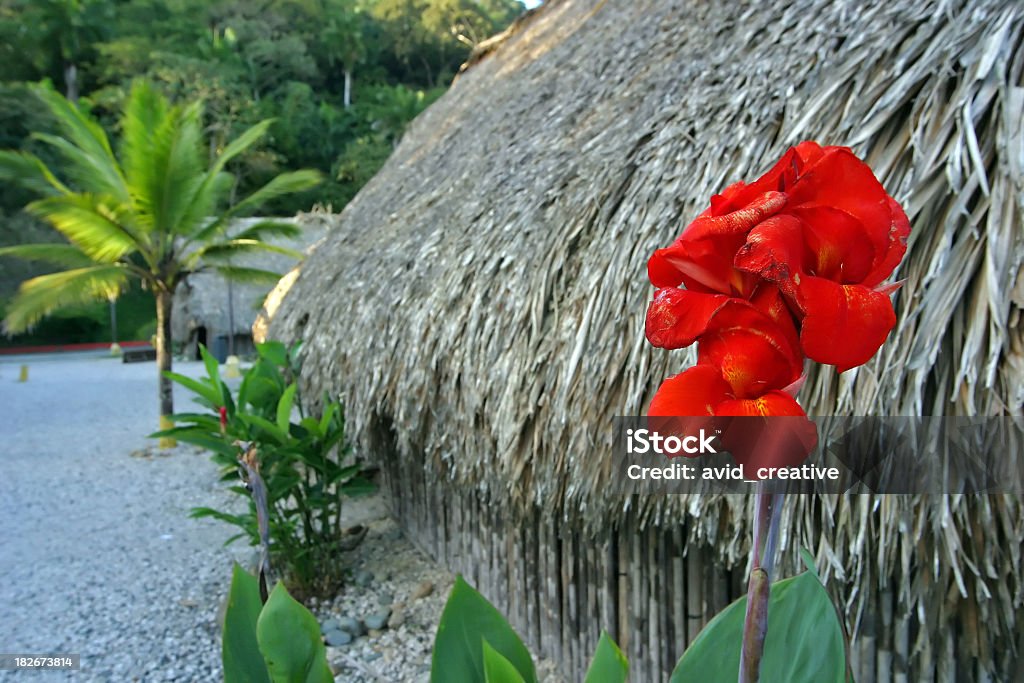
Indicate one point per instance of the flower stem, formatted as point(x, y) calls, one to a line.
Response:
point(767, 509)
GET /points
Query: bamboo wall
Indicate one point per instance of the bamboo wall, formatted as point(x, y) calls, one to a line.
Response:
point(649, 590)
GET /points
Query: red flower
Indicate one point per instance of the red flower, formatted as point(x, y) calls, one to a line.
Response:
point(223, 419)
point(820, 226)
point(788, 266)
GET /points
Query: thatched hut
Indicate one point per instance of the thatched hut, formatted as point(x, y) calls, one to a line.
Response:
point(480, 306)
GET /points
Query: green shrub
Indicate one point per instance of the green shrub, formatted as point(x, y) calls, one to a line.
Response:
point(306, 464)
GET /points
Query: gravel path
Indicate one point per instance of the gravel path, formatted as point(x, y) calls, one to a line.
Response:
point(97, 554)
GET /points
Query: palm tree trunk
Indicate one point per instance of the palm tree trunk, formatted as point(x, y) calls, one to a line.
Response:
point(164, 301)
point(348, 89)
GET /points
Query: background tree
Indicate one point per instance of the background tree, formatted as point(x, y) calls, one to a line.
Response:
point(156, 211)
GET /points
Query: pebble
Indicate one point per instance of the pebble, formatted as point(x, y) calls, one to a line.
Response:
point(386, 599)
point(330, 625)
point(378, 620)
point(337, 638)
point(397, 617)
point(363, 578)
point(424, 589)
point(350, 625)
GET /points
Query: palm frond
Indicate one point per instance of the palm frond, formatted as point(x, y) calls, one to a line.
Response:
point(54, 254)
point(265, 229)
point(286, 183)
point(89, 222)
point(239, 247)
point(85, 146)
point(254, 276)
point(30, 172)
point(42, 295)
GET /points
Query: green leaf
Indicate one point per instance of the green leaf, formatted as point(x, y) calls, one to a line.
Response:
point(90, 222)
point(273, 351)
point(804, 642)
point(270, 228)
point(275, 432)
point(241, 656)
point(42, 295)
point(211, 365)
point(211, 394)
point(289, 638)
point(285, 183)
point(255, 276)
point(284, 407)
point(469, 619)
point(609, 664)
point(497, 669)
point(222, 251)
point(30, 172)
point(55, 254)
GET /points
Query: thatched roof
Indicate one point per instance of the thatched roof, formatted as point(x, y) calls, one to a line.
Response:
point(483, 297)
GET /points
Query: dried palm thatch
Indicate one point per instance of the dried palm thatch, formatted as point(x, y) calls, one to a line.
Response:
point(480, 307)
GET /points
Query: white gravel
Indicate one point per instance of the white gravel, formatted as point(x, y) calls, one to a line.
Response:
point(98, 556)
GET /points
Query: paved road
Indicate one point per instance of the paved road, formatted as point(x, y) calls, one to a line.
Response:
point(97, 554)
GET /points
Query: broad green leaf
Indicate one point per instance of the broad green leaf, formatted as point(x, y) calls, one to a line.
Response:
point(211, 364)
point(804, 642)
point(284, 407)
point(273, 351)
point(469, 619)
point(289, 638)
point(609, 664)
point(242, 660)
point(211, 394)
point(279, 435)
point(497, 669)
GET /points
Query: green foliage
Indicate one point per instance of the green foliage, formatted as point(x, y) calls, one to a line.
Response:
point(305, 462)
point(467, 623)
point(290, 61)
point(609, 664)
point(805, 642)
point(143, 213)
point(278, 642)
point(475, 644)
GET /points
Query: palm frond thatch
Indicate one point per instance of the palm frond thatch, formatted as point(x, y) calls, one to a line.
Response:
point(481, 301)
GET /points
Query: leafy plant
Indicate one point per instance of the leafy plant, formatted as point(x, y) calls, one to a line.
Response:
point(277, 642)
point(475, 644)
point(806, 643)
point(305, 463)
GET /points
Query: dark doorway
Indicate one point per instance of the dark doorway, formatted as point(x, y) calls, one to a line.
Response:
point(200, 339)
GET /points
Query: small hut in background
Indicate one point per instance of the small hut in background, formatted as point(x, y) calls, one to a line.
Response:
point(220, 314)
point(480, 306)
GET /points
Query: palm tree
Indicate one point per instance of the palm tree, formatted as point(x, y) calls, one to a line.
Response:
point(156, 211)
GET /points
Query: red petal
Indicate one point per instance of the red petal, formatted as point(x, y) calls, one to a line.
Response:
point(777, 434)
point(701, 265)
point(754, 355)
point(738, 221)
point(676, 317)
point(769, 300)
point(775, 251)
point(772, 403)
point(843, 325)
point(896, 246)
point(838, 243)
point(842, 181)
point(693, 392)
